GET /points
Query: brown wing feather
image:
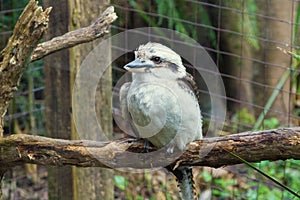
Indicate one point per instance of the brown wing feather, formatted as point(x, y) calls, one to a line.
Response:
point(188, 82)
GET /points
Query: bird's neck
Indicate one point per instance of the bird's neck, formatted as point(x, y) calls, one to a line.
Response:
point(159, 75)
point(145, 77)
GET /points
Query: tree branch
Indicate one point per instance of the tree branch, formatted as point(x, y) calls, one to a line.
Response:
point(96, 30)
point(278, 144)
point(27, 33)
point(15, 56)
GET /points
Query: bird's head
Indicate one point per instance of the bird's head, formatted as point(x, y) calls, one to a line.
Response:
point(158, 60)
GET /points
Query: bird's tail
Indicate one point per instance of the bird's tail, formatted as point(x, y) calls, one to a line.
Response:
point(185, 182)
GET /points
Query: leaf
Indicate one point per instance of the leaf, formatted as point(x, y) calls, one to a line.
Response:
point(264, 174)
point(120, 182)
point(296, 28)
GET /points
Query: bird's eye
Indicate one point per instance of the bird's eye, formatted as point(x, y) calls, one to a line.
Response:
point(156, 59)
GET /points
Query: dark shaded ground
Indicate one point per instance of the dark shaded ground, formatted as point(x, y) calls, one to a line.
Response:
point(19, 186)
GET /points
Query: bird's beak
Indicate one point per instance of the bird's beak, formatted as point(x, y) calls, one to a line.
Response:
point(138, 66)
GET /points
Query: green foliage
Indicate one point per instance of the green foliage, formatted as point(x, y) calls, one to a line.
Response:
point(175, 16)
point(276, 176)
point(243, 116)
point(251, 184)
point(284, 171)
point(268, 176)
point(207, 177)
point(9, 19)
point(134, 4)
point(139, 197)
point(246, 22)
point(289, 73)
point(205, 19)
point(221, 193)
point(250, 25)
point(271, 123)
point(168, 196)
point(242, 120)
point(120, 182)
point(6, 22)
point(296, 55)
point(296, 26)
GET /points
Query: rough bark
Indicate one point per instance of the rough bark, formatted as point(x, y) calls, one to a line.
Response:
point(16, 55)
point(277, 144)
point(96, 30)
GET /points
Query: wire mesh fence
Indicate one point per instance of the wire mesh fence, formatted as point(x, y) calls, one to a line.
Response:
point(246, 39)
point(242, 50)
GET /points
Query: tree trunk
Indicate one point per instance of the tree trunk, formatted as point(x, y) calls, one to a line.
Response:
point(240, 39)
point(234, 40)
point(277, 33)
point(92, 183)
point(58, 100)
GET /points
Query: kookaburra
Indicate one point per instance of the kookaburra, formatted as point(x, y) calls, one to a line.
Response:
point(161, 104)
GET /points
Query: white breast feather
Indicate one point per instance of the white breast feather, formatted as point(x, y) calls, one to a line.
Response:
point(174, 113)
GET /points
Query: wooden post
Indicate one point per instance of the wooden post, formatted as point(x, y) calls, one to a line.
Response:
point(92, 183)
point(58, 100)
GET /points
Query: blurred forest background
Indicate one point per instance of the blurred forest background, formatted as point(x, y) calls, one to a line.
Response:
point(242, 36)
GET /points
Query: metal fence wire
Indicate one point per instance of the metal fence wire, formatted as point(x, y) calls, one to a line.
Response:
point(246, 39)
point(243, 38)
point(254, 45)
